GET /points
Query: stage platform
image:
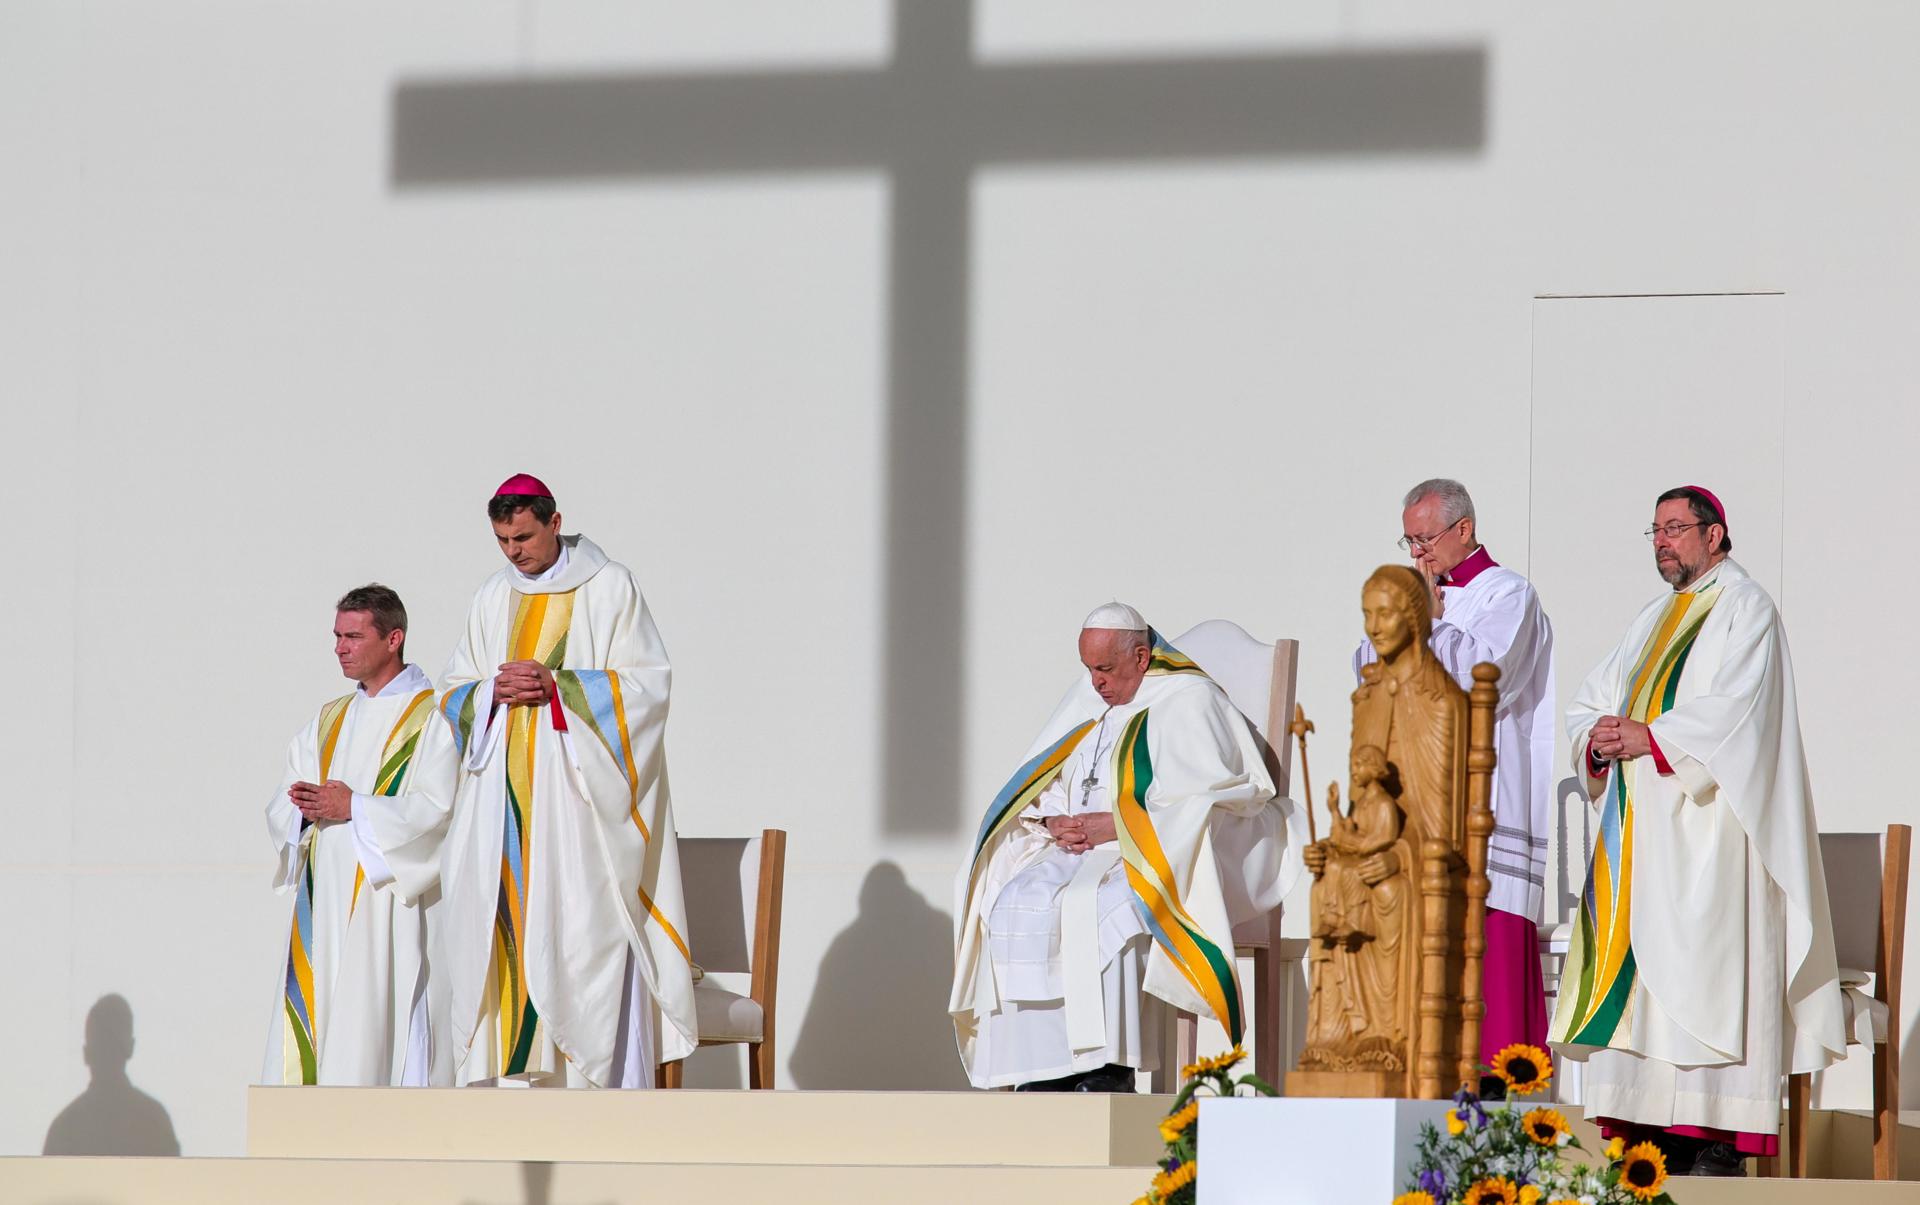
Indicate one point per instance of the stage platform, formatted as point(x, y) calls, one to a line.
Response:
point(308, 1146)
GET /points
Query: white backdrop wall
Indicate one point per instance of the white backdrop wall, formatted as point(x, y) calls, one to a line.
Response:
point(875, 430)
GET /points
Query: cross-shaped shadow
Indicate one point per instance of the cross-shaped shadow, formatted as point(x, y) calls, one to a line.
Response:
point(930, 119)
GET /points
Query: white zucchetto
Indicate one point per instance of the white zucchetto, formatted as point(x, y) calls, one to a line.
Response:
point(1117, 616)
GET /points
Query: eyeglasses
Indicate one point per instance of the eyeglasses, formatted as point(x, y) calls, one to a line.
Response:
point(1423, 543)
point(1671, 530)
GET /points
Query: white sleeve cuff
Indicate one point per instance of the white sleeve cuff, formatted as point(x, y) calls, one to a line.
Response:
point(371, 859)
point(1694, 778)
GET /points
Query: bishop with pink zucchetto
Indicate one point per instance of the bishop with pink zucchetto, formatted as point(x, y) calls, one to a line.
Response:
point(564, 932)
point(1701, 965)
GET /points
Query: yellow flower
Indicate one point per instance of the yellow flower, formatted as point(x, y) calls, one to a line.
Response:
point(1615, 1149)
point(1548, 1127)
point(1455, 1124)
point(1219, 1062)
point(1181, 1176)
point(1529, 1194)
point(1415, 1197)
point(1175, 1124)
point(1526, 1069)
point(1494, 1190)
point(1644, 1171)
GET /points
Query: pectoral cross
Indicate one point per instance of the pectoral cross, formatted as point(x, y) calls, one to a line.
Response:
point(1088, 783)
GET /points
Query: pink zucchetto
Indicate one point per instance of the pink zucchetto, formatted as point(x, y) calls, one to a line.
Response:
point(524, 485)
point(1712, 500)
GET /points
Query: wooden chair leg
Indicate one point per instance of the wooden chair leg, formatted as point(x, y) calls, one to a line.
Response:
point(1766, 1167)
point(760, 1065)
point(1186, 1040)
point(671, 1074)
point(1269, 1044)
point(1799, 1092)
point(1886, 1106)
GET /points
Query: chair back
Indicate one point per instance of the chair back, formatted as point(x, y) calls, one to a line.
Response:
point(1853, 862)
point(1259, 677)
point(721, 880)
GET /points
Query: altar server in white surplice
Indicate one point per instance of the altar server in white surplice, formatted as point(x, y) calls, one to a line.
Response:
point(1109, 872)
point(1702, 962)
point(358, 821)
point(565, 936)
point(1483, 611)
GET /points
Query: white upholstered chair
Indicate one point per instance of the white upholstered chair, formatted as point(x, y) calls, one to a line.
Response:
point(733, 887)
point(1867, 894)
point(1260, 678)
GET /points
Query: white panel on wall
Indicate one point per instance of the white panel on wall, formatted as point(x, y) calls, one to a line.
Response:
point(1632, 396)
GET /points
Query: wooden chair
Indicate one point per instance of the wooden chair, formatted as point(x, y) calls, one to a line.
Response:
point(733, 888)
point(1261, 679)
point(1867, 894)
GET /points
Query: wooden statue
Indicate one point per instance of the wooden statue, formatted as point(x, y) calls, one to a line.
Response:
point(1400, 886)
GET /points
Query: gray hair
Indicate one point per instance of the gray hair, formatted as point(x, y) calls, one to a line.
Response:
point(1456, 504)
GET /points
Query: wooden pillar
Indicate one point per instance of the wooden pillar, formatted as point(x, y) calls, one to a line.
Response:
point(1481, 702)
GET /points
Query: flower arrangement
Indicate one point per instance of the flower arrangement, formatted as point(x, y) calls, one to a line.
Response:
point(1176, 1181)
point(1508, 1156)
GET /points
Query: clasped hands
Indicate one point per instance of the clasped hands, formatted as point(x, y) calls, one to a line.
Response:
point(1078, 834)
point(523, 684)
point(1616, 738)
point(330, 800)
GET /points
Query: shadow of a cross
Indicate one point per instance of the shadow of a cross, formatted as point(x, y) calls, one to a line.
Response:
point(930, 119)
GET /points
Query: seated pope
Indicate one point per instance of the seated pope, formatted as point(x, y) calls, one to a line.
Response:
point(1110, 870)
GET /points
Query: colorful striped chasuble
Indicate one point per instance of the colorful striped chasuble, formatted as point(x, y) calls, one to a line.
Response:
point(1600, 966)
point(299, 1046)
point(1203, 962)
point(539, 633)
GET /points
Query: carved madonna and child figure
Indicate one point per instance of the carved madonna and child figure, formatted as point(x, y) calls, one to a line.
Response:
point(1399, 895)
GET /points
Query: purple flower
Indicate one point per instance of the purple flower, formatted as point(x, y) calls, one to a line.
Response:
point(1434, 1182)
point(1470, 1109)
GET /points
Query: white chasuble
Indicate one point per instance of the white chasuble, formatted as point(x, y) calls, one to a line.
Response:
point(1494, 615)
point(1701, 965)
point(1055, 952)
point(564, 946)
point(352, 1001)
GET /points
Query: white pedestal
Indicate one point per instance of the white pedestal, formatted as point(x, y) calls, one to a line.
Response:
point(1307, 1151)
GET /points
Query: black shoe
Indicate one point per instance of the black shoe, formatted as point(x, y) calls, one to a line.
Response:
point(1492, 1087)
point(1064, 1084)
point(1680, 1154)
point(1718, 1159)
point(1110, 1078)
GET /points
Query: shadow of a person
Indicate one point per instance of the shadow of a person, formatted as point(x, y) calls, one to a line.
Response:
point(112, 1117)
point(878, 1018)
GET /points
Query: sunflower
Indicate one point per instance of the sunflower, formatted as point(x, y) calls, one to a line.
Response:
point(1414, 1198)
point(1526, 1069)
point(1180, 1177)
point(1548, 1127)
point(1494, 1190)
point(1219, 1062)
point(1177, 1122)
point(1644, 1171)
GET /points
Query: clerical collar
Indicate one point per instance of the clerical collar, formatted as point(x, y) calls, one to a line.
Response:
point(411, 680)
point(549, 573)
point(1703, 581)
point(1472, 567)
